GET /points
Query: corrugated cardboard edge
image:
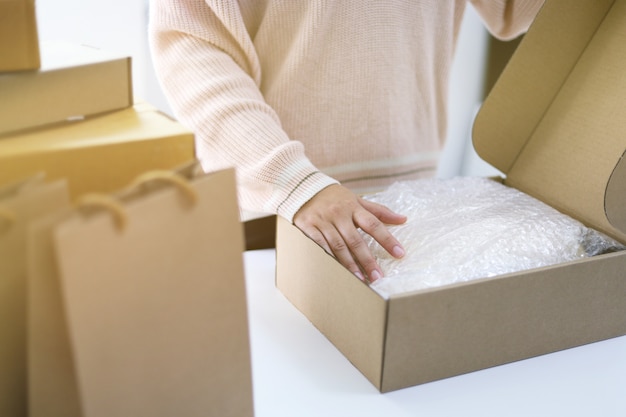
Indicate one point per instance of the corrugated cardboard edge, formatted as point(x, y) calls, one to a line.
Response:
point(349, 313)
point(615, 202)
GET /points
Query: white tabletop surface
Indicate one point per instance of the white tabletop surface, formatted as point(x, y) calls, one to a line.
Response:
point(297, 372)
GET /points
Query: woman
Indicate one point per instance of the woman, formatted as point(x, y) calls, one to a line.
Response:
point(315, 102)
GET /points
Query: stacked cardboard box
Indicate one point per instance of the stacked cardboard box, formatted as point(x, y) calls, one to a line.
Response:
point(74, 117)
point(73, 83)
point(70, 128)
point(98, 154)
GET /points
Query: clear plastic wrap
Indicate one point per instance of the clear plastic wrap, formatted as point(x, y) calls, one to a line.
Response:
point(466, 228)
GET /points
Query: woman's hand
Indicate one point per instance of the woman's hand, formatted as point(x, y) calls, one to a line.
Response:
point(332, 218)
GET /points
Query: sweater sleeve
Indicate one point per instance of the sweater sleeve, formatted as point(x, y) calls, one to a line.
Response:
point(210, 74)
point(507, 19)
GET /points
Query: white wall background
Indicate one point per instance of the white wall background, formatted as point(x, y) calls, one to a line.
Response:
point(117, 25)
point(466, 90)
point(121, 25)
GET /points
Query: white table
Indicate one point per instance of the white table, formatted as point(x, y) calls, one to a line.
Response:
point(297, 372)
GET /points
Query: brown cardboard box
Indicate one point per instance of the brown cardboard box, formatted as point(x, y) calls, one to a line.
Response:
point(100, 154)
point(74, 82)
point(554, 124)
point(19, 42)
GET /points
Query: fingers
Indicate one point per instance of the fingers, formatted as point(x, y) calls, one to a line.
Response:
point(332, 219)
point(384, 214)
point(334, 243)
point(371, 225)
point(351, 248)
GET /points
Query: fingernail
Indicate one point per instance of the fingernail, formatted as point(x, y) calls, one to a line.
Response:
point(359, 275)
point(375, 275)
point(397, 251)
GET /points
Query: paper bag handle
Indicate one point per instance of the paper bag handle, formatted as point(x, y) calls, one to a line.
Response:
point(107, 202)
point(170, 177)
point(111, 204)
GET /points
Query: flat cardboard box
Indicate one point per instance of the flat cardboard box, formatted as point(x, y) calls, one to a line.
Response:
point(100, 154)
point(553, 125)
point(74, 82)
point(19, 41)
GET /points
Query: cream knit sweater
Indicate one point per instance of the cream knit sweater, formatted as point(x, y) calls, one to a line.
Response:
point(301, 94)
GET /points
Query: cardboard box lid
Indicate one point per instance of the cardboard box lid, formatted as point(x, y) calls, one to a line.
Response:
point(75, 81)
point(101, 153)
point(554, 122)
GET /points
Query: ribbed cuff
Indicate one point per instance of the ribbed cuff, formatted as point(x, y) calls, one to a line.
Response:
point(301, 192)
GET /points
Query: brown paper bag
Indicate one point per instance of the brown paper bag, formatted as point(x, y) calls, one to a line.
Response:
point(20, 203)
point(153, 290)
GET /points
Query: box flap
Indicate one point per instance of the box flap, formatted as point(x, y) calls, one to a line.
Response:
point(554, 122)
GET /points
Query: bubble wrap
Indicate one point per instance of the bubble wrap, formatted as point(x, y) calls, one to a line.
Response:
point(466, 228)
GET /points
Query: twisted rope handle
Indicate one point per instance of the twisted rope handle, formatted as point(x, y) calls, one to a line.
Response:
point(114, 207)
point(169, 177)
point(106, 202)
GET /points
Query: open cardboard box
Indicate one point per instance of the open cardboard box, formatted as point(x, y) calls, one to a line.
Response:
point(99, 154)
point(554, 124)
